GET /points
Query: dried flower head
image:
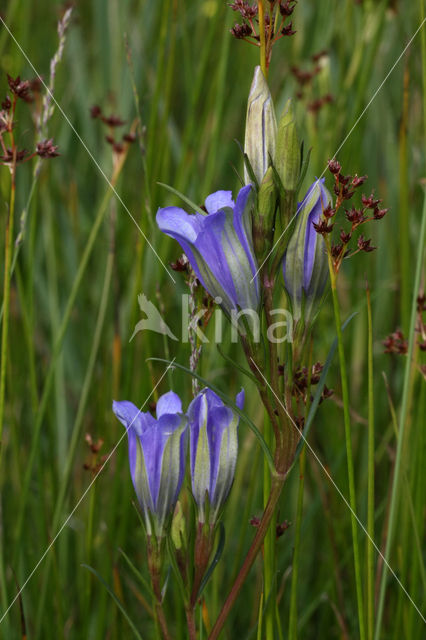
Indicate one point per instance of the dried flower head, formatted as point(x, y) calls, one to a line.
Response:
point(20, 88)
point(46, 149)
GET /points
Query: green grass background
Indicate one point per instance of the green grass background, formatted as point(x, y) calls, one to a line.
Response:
point(192, 80)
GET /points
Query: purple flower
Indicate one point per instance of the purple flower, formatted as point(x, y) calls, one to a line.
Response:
point(156, 456)
point(213, 447)
point(219, 246)
point(305, 261)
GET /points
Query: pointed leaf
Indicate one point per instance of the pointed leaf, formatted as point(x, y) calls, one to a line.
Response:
point(217, 557)
point(116, 600)
point(183, 197)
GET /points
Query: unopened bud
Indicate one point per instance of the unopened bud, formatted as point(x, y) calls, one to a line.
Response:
point(287, 154)
point(263, 217)
point(178, 526)
point(261, 128)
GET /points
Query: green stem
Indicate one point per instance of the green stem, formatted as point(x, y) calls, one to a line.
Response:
point(403, 419)
point(407, 373)
point(277, 485)
point(370, 490)
point(76, 435)
point(57, 350)
point(349, 455)
point(89, 547)
point(292, 630)
point(262, 34)
point(6, 301)
point(269, 542)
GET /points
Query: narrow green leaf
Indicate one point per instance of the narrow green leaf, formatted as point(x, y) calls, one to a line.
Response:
point(135, 571)
point(319, 388)
point(217, 557)
point(183, 197)
point(116, 600)
point(248, 165)
point(303, 169)
point(246, 372)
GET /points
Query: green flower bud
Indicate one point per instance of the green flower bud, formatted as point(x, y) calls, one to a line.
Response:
point(264, 215)
point(178, 526)
point(261, 127)
point(287, 154)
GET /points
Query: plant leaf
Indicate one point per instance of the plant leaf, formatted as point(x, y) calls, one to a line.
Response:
point(116, 600)
point(303, 169)
point(246, 372)
point(217, 557)
point(248, 166)
point(319, 388)
point(183, 197)
point(135, 571)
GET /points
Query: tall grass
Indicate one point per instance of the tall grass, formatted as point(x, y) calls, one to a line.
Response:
point(73, 308)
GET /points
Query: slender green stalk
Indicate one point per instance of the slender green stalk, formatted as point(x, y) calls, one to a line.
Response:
point(76, 432)
point(56, 351)
point(407, 374)
point(349, 455)
point(404, 209)
point(262, 34)
point(6, 297)
point(269, 542)
point(403, 419)
point(370, 499)
point(4, 340)
point(292, 629)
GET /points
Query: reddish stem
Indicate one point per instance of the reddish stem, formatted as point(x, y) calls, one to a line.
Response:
point(277, 485)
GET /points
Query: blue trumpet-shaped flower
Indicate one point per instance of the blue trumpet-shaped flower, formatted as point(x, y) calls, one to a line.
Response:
point(213, 447)
point(156, 456)
point(219, 246)
point(305, 261)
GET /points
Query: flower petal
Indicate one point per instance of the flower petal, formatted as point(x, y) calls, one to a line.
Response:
point(168, 403)
point(179, 224)
point(219, 200)
point(316, 200)
point(153, 443)
point(172, 468)
point(132, 417)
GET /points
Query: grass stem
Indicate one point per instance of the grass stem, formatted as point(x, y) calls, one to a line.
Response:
point(349, 454)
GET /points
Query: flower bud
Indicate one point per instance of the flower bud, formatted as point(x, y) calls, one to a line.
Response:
point(287, 154)
point(305, 261)
point(177, 530)
point(261, 127)
point(264, 215)
point(213, 451)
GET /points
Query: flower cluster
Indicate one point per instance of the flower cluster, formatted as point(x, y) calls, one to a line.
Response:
point(11, 155)
point(113, 122)
point(275, 22)
point(396, 343)
point(304, 78)
point(344, 188)
point(157, 454)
